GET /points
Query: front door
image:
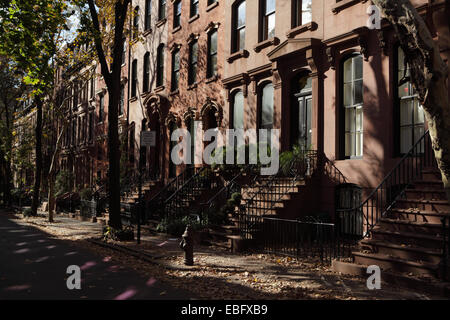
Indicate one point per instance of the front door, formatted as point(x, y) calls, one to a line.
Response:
point(301, 112)
point(304, 132)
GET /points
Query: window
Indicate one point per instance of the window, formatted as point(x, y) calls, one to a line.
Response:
point(74, 132)
point(175, 69)
point(146, 78)
point(177, 14)
point(267, 24)
point(194, 8)
point(92, 92)
point(136, 23)
point(239, 27)
point(148, 14)
point(134, 79)
point(353, 105)
point(160, 66)
point(411, 115)
point(301, 12)
point(238, 110)
point(212, 54)
point(162, 9)
point(101, 108)
point(193, 58)
point(122, 100)
point(91, 127)
point(266, 117)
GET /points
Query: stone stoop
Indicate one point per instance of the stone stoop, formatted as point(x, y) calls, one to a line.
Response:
point(409, 239)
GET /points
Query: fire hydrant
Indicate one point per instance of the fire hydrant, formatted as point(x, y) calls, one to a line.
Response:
point(187, 244)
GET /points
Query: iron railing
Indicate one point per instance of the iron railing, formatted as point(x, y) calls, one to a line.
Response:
point(181, 203)
point(244, 176)
point(384, 197)
point(307, 238)
point(272, 189)
point(155, 207)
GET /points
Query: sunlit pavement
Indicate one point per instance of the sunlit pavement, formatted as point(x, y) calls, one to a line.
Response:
point(34, 266)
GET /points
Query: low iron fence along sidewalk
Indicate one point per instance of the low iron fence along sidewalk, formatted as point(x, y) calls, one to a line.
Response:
point(308, 238)
point(88, 208)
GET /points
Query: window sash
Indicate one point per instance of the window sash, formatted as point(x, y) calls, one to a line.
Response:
point(193, 59)
point(162, 9)
point(177, 14)
point(175, 70)
point(148, 14)
point(194, 8)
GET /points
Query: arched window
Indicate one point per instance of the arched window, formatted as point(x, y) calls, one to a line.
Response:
point(352, 79)
point(411, 116)
point(146, 76)
point(238, 110)
point(160, 66)
point(239, 26)
point(266, 116)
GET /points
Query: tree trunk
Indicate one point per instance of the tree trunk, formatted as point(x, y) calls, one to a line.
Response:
point(115, 220)
point(428, 75)
point(38, 150)
point(51, 197)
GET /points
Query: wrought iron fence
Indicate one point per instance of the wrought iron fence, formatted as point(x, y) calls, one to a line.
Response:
point(384, 197)
point(307, 238)
point(88, 208)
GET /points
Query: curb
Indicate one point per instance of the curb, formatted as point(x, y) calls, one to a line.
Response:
point(138, 254)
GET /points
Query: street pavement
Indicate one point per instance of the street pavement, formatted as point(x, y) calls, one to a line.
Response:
point(34, 266)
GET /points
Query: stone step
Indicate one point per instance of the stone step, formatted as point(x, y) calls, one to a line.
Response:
point(402, 251)
point(407, 238)
point(387, 262)
point(431, 174)
point(265, 204)
point(410, 226)
point(426, 194)
point(267, 196)
point(264, 189)
point(427, 205)
point(431, 184)
point(419, 215)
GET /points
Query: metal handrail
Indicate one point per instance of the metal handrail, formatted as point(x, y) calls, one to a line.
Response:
point(399, 176)
point(306, 156)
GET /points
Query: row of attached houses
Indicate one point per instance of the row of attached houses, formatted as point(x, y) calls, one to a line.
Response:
point(310, 68)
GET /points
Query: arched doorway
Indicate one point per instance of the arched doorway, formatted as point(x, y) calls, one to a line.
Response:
point(301, 111)
point(211, 118)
